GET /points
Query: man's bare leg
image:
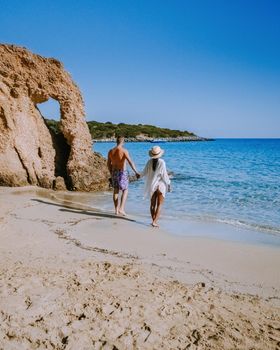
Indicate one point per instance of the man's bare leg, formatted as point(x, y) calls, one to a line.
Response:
point(160, 200)
point(123, 201)
point(116, 200)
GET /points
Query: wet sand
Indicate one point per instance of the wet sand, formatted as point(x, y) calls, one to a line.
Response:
point(75, 277)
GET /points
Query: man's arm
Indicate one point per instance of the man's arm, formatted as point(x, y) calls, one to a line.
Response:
point(130, 162)
point(109, 163)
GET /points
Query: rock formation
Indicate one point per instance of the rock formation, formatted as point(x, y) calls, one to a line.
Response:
point(30, 153)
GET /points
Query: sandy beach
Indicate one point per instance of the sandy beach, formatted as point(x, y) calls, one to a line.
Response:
point(76, 277)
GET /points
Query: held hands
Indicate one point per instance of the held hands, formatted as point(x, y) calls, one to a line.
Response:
point(137, 175)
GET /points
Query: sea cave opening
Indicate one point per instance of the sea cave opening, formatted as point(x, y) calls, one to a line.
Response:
point(50, 112)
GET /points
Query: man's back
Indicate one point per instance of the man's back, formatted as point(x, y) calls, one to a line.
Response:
point(118, 156)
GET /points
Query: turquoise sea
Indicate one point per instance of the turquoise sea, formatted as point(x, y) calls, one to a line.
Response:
point(225, 183)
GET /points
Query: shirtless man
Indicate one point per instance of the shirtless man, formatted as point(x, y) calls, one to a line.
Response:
point(116, 163)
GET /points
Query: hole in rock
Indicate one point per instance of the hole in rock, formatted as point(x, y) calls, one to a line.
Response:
point(50, 111)
point(39, 152)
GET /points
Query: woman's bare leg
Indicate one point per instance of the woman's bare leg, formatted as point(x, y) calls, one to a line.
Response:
point(153, 204)
point(160, 200)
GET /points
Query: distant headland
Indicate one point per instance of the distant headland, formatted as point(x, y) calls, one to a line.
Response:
point(106, 132)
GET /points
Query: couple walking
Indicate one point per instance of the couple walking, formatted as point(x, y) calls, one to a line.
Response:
point(157, 179)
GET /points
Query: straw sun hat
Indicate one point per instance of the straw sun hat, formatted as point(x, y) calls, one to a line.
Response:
point(156, 152)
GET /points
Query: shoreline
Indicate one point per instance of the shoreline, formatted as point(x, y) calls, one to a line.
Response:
point(188, 227)
point(87, 276)
point(156, 140)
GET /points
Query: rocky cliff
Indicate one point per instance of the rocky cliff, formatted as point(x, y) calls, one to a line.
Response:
point(30, 153)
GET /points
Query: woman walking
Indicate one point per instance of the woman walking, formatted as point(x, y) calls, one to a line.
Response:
point(157, 182)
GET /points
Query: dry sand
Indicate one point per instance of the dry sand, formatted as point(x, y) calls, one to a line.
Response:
point(72, 277)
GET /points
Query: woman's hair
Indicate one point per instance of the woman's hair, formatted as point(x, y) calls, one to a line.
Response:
point(155, 163)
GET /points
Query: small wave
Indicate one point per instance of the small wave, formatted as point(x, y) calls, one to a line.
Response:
point(251, 226)
point(273, 230)
point(183, 177)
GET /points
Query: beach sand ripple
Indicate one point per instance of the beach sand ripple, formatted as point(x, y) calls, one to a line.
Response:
point(111, 306)
point(56, 293)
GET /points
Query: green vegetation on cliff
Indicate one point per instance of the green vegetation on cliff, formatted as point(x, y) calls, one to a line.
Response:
point(106, 130)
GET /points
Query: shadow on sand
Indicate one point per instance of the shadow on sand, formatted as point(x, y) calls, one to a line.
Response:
point(71, 208)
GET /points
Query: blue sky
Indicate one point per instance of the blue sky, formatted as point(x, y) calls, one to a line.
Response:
point(211, 67)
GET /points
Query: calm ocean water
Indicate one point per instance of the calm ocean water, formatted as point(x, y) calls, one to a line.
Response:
point(231, 181)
